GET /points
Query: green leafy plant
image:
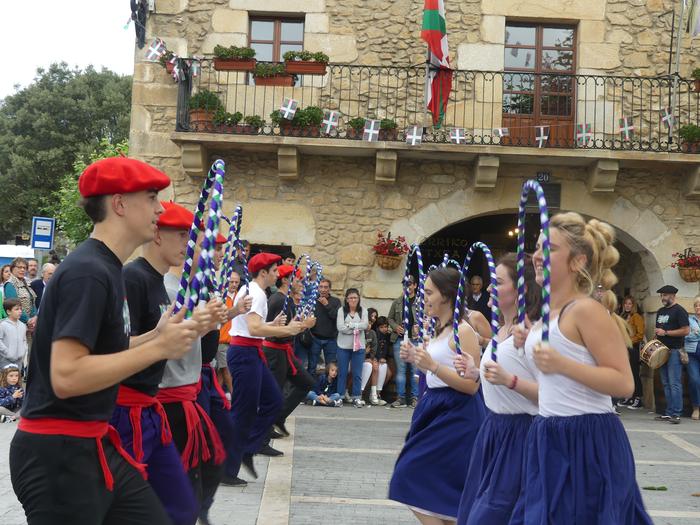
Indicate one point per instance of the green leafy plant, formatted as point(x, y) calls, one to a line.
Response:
point(255, 121)
point(264, 70)
point(224, 118)
point(696, 73)
point(303, 118)
point(166, 58)
point(358, 123)
point(690, 133)
point(234, 53)
point(387, 123)
point(306, 56)
point(205, 99)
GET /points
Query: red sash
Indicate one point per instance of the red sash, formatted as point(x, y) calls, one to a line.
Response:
point(288, 349)
point(135, 401)
point(239, 340)
point(217, 386)
point(84, 429)
point(195, 420)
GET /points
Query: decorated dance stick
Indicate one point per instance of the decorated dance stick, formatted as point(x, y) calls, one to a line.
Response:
point(529, 186)
point(217, 168)
point(304, 281)
point(420, 295)
point(308, 303)
point(234, 232)
point(457, 318)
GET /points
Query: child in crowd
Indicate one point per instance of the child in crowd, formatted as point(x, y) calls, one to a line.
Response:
point(382, 371)
point(326, 391)
point(11, 393)
point(13, 335)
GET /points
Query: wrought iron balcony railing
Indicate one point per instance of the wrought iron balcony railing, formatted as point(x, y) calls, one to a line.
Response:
point(505, 108)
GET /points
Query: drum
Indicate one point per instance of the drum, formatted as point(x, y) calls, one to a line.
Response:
point(654, 354)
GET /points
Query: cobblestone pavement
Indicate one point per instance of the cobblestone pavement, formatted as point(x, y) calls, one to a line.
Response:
point(338, 462)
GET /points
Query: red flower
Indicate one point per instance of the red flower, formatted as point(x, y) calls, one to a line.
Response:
point(687, 259)
point(385, 245)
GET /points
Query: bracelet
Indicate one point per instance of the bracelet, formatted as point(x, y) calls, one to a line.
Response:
point(514, 382)
point(436, 369)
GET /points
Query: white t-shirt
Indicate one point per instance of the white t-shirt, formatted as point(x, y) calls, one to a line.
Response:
point(239, 324)
point(440, 351)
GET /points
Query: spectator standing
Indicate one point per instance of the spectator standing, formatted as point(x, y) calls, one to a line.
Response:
point(11, 393)
point(239, 262)
point(17, 288)
point(636, 327)
point(13, 335)
point(38, 285)
point(351, 324)
point(478, 298)
point(325, 333)
point(32, 270)
point(4, 277)
point(692, 341)
point(672, 325)
point(395, 319)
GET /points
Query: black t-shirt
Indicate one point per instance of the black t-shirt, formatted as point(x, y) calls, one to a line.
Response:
point(86, 302)
point(672, 318)
point(148, 299)
point(274, 306)
point(210, 346)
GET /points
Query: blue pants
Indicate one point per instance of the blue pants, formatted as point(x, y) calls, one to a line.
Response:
point(330, 351)
point(166, 475)
point(256, 401)
point(401, 367)
point(312, 396)
point(354, 360)
point(671, 379)
point(693, 368)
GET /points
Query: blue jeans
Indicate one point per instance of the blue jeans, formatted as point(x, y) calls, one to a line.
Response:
point(401, 367)
point(330, 350)
point(673, 388)
point(354, 360)
point(693, 368)
point(312, 396)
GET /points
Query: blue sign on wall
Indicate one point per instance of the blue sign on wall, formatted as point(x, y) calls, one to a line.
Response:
point(42, 233)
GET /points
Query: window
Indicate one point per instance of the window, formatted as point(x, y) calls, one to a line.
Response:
point(273, 37)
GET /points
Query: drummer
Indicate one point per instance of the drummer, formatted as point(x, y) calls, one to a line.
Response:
point(672, 325)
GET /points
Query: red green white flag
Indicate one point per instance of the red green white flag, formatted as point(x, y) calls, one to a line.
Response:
point(439, 79)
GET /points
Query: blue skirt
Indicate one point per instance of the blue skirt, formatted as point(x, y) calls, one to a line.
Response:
point(493, 480)
point(579, 470)
point(430, 471)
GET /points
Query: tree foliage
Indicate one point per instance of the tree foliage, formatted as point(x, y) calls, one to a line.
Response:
point(61, 118)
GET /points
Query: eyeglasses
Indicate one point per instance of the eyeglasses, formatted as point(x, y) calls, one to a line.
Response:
point(21, 267)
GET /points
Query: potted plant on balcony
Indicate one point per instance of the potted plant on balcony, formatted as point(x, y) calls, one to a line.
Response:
point(688, 265)
point(306, 122)
point(690, 134)
point(305, 62)
point(355, 128)
point(203, 106)
point(388, 251)
point(253, 123)
point(234, 58)
point(165, 61)
point(387, 129)
point(696, 77)
point(226, 122)
point(272, 75)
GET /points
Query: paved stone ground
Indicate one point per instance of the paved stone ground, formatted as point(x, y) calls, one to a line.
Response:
point(338, 463)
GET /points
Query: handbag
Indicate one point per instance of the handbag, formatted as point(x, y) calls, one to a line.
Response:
point(684, 357)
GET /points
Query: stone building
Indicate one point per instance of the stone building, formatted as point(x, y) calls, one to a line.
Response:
point(519, 64)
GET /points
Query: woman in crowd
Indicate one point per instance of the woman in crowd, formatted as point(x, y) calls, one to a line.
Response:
point(17, 288)
point(509, 386)
point(351, 323)
point(431, 470)
point(692, 340)
point(4, 277)
point(636, 326)
point(579, 466)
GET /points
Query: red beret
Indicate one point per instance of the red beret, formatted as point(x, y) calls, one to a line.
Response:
point(120, 175)
point(286, 270)
point(262, 260)
point(175, 216)
point(220, 239)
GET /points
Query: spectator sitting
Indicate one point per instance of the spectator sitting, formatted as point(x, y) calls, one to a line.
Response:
point(370, 366)
point(326, 391)
point(13, 335)
point(382, 355)
point(372, 316)
point(11, 393)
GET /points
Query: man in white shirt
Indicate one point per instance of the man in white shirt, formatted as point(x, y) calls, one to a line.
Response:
point(256, 399)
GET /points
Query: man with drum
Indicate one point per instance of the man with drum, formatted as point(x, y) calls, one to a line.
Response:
point(672, 325)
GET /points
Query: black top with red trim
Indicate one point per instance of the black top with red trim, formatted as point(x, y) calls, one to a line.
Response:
point(274, 306)
point(210, 346)
point(83, 301)
point(148, 300)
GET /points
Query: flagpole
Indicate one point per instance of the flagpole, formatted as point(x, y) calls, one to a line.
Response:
point(679, 35)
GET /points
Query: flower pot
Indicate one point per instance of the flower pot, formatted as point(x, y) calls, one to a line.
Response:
point(690, 147)
point(388, 262)
point(689, 275)
point(354, 134)
point(277, 80)
point(234, 64)
point(240, 129)
point(305, 67)
point(288, 130)
point(384, 134)
point(201, 120)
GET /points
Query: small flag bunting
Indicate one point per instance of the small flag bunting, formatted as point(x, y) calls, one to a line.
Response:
point(371, 132)
point(156, 50)
point(667, 118)
point(289, 108)
point(414, 135)
point(583, 134)
point(542, 135)
point(457, 136)
point(330, 121)
point(626, 128)
point(502, 132)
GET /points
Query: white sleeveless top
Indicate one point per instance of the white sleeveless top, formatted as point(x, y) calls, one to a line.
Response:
point(560, 395)
point(440, 351)
point(499, 398)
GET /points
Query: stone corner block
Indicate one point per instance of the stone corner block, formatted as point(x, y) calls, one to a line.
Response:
point(288, 162)
point(316, 23)
point(194, 160)
point(386, 167)
point(693, 183)
point(229, 21)
point(486, 172)
point(493, 29)
point(170, 7)
point(484, 57)
point(602, 176)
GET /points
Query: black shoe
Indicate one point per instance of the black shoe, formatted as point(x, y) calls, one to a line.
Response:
point(662, 418)
point(675, 420)
point(267, 450)
point(276, 435)
point(247, 462)
point(204, 518)
point(279, 427)
point(233, 482)
point(635, 404)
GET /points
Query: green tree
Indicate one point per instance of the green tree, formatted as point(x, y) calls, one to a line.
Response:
point(46, 127)
point(71, 220)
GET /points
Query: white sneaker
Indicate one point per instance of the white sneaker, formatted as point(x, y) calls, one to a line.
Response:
point(373, 400)
point(347, 398)
point(339, 402)
point(358, 403)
